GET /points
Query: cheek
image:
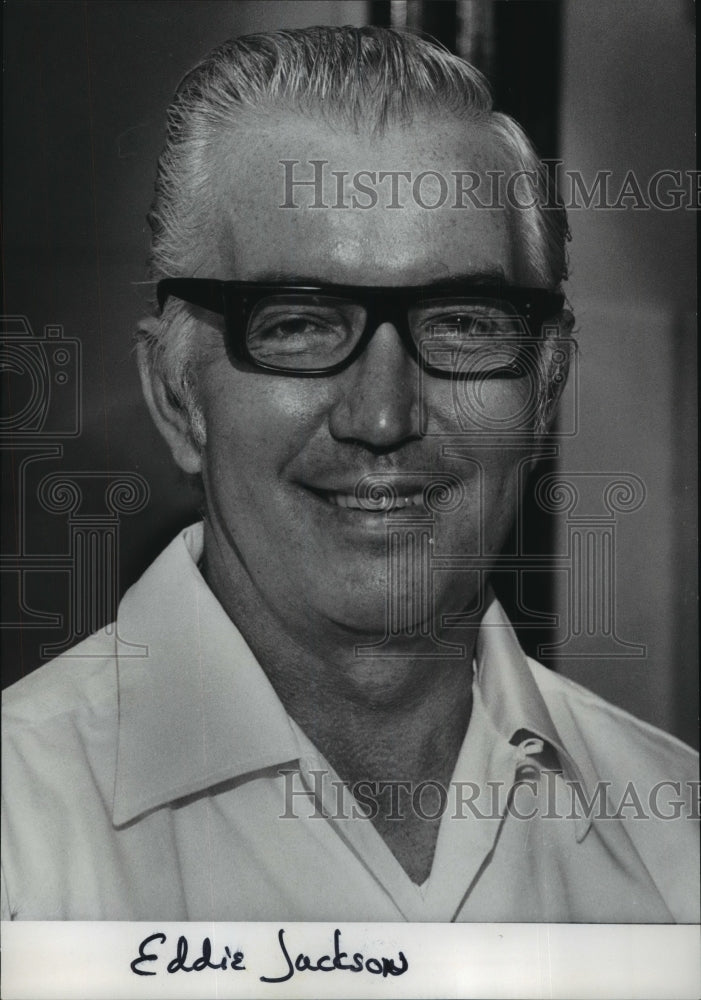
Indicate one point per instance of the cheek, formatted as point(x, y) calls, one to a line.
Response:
point(493, 495)
point(256, 424)
point(493, 408)
point(483, 433)
point(486, 412)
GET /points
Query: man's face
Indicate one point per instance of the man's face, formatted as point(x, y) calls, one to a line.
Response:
point(283, 455)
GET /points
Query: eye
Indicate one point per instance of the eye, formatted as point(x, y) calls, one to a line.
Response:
point(290, 323)
point(492, 324)
point(287, 326)
point(467, 319)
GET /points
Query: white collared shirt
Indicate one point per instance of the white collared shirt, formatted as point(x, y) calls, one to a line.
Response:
point(152, 772)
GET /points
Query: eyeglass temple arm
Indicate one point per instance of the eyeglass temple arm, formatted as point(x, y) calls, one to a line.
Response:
point(208, 293)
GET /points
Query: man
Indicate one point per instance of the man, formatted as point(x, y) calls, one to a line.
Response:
point(358, 358)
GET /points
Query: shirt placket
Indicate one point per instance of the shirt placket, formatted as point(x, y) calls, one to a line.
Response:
point(471, 825)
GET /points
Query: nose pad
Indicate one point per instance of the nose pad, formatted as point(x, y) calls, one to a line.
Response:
point(379, 404)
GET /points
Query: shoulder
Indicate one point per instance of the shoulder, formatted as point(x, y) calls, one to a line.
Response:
point(81, 680)
point(613, 739)
point(63, 716)
point(59, 736)
point(643, 779)
point(60, 725)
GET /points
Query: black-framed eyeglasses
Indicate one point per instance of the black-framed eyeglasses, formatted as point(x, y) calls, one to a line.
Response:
point(455, 329)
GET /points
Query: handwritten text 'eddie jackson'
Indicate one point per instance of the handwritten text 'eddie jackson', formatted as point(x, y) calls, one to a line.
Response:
point(152, 955)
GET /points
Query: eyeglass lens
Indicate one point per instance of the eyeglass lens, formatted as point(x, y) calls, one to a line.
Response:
point(300, 332)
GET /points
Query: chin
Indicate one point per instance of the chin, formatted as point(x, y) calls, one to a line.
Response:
point(370, 609)
point(374, 619)
point(367, 622)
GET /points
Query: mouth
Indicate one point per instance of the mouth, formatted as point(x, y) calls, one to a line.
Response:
point(372, 502)
point(375, 505)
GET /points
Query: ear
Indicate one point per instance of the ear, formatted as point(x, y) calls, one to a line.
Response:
point(558, 370)
point(558, 352)
point(171, 420)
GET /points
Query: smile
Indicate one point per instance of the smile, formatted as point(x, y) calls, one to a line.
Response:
point(373, 505)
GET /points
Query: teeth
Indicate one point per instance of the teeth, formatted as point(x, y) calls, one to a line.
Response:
point(344, 500)
point(350, 502)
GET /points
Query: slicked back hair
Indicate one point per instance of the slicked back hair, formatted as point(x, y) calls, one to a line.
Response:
point(368, 79)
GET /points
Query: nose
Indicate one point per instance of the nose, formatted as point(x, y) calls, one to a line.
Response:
point(379, 406)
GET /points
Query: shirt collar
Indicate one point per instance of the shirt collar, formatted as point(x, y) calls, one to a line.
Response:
point(513, 700)
point(196, 709)
point(507, 687)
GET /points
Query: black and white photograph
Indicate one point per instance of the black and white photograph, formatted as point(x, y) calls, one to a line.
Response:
point(349, 497)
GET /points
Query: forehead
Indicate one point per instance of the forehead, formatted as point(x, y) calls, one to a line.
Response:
point(368, 215)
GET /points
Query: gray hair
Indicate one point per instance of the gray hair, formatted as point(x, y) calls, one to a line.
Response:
point(363, 78)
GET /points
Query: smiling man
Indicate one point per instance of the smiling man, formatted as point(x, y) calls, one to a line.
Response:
point(358, 358)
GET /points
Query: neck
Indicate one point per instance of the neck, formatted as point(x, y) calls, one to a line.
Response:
point(385, 715)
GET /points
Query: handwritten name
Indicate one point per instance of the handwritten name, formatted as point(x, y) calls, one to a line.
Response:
point(230, 959)
point(303, 963)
